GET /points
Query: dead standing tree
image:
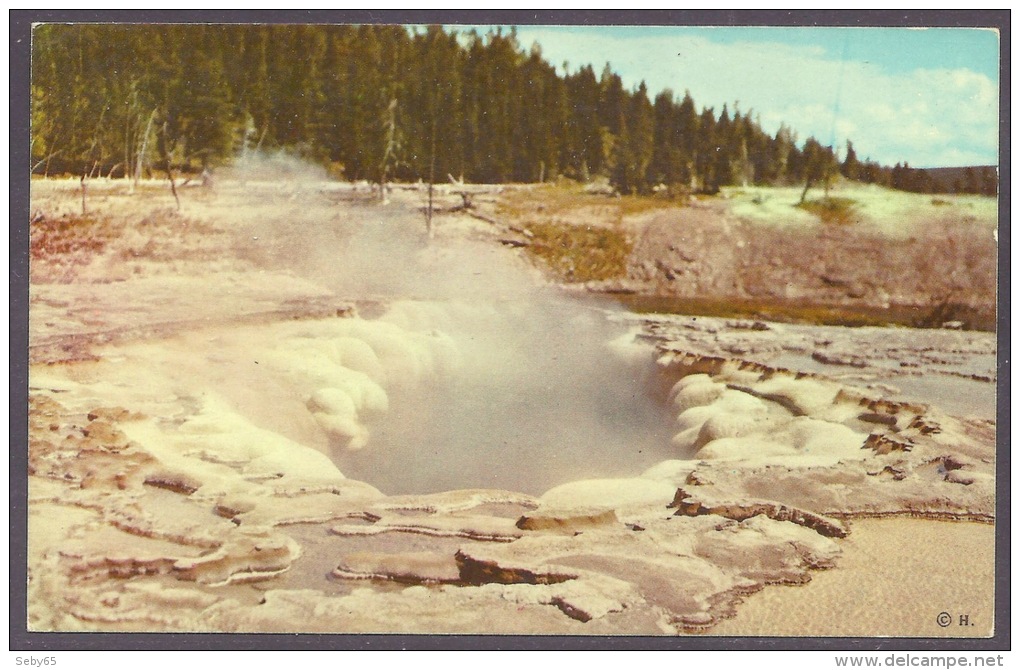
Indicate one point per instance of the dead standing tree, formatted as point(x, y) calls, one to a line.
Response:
point(91, 161)
point(391, 159)
point(165, 147)
point(432, 181)
point(391, 148)
point(819, 167)
point(143, 149)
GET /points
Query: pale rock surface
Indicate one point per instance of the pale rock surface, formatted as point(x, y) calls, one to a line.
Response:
point(183, 414)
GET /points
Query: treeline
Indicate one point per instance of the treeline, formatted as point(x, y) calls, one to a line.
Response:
point(979, 179)
point(381, 102)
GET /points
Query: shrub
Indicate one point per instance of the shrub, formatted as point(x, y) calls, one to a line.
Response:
point(838, 211)
point(580, 253)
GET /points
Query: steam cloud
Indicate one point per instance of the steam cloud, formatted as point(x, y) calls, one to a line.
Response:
point(543, 389)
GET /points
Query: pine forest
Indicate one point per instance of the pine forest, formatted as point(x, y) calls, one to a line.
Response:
point(390, 102)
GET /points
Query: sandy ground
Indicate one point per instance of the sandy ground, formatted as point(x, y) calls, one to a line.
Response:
point(226, 400)
point(877, 590)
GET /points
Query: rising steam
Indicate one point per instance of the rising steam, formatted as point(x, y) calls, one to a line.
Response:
point(465, 372)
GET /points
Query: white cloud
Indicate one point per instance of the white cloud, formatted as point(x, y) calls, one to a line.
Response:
point(925, 117)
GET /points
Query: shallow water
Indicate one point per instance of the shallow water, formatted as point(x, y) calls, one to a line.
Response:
point(515, 432)
point(796, 311)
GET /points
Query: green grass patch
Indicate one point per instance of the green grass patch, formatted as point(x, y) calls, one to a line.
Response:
point(545, 199)
point(566, 197)
point(839, 211)
point(776, 310)
point(639, 204)
point(580, 253)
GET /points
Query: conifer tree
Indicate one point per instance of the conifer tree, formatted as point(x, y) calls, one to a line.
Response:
point(851, 167)
point(466, 105)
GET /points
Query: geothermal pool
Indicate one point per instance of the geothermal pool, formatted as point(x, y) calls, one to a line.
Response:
point(529, 404)
point(282, 419)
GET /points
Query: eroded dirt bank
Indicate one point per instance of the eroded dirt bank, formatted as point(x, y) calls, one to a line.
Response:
point(866, 255)
point(199, 378)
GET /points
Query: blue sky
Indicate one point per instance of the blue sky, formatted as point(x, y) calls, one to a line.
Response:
point(928, 97)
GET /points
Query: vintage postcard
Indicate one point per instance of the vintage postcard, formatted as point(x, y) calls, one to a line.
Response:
point(618, 330)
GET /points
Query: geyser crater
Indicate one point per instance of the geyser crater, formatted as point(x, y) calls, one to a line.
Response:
point(517, 395)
